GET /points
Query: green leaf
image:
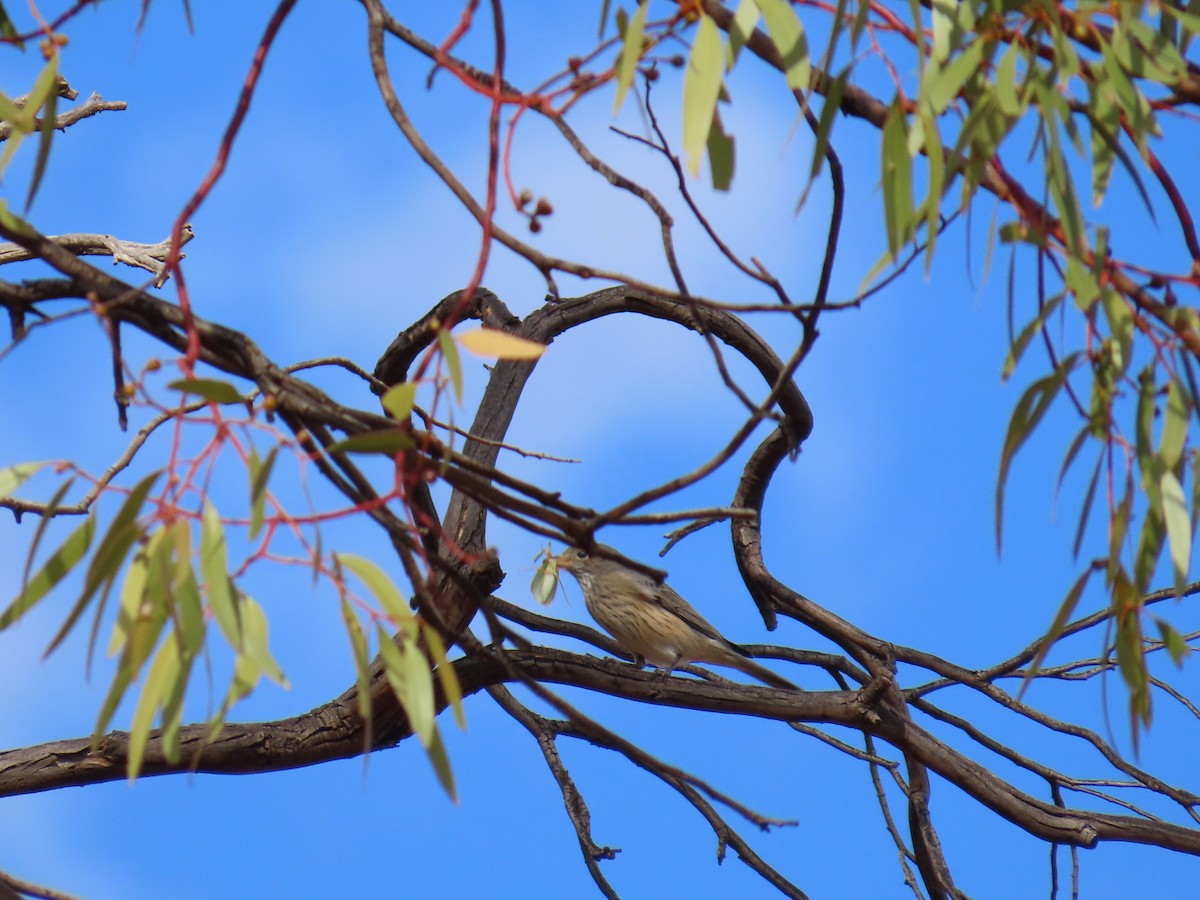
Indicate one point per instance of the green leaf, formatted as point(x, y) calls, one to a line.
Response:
point(1150, 543)
point(833, 103)
point(1018, 347)
point(631, 54)
point(132, 591)
point(143, 627)
point(382, 587)
point(54, 570)
point(256, 632)
point(362, 668)
point(1147, 409)
point(447, 676)
point(214, 570)
point(45, 96)
point(1008, 96)
point(1086, 507)
point(160, 678)
point(1175, 427)
point(260, 474)
point(453, 363)
point(8, 30)
point(744, 20)
point(787, 34)
point(940, 88)
point(701, 88)
point(897, 181)
point(1026, 415)
point(1179, 526)
point(1121, 324)
point(1175, 642)
point(48, 515)
point(441, 764)
point(110, 555)
point(720, 154)
point(13, 477)
point(399, 399)
point(409, 676)
point(388, 442)
point(209, 389)
point(1130, 656)
point(1061, 618)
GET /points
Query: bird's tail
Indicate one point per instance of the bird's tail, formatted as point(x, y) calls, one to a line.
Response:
point(762, 673)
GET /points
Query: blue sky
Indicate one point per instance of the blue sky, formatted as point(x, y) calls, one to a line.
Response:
point(327, 236)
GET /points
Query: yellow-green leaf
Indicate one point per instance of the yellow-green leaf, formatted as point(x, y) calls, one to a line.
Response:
point(701, 88)
point(408, 674)
point(787, 34)
point(257, 646)
point(60, 563)
point(109, 556)
point(13, 477)
point(399, 399)
point(631, 53)
point(441, 764)
point(381, 586)
point(453, 363)
point(214, 569)
point(160, 678)
point(1179, 525)
point(493, 343)
point(362, 667)
point(447, 676)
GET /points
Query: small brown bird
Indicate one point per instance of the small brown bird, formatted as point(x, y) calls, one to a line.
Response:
point(652, 621)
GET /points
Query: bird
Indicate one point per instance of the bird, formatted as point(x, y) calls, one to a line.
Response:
point(651, 621)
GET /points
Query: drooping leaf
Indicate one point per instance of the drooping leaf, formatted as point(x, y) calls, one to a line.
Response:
point(631, 53)
point(54, 570)
point(496, 344)
point(744, 20)
point(1179, 526)
point(44, 97)
point(399, 399)
point(362, 668)
point(260, 475)
point(453, 363)
point(214, 569)
point(256, 632)
point(721, 154)
point(701, 88)
point(897, 182)
point(410, 681)
point(447, 676)
point(160, 678)
point(1061, 618)
point(382, 587)
point(441, 764)
point(787, 34)
point(1026, 415)
point(122, 532)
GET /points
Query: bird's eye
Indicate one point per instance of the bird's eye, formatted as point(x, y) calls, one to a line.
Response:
point(581, 554)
